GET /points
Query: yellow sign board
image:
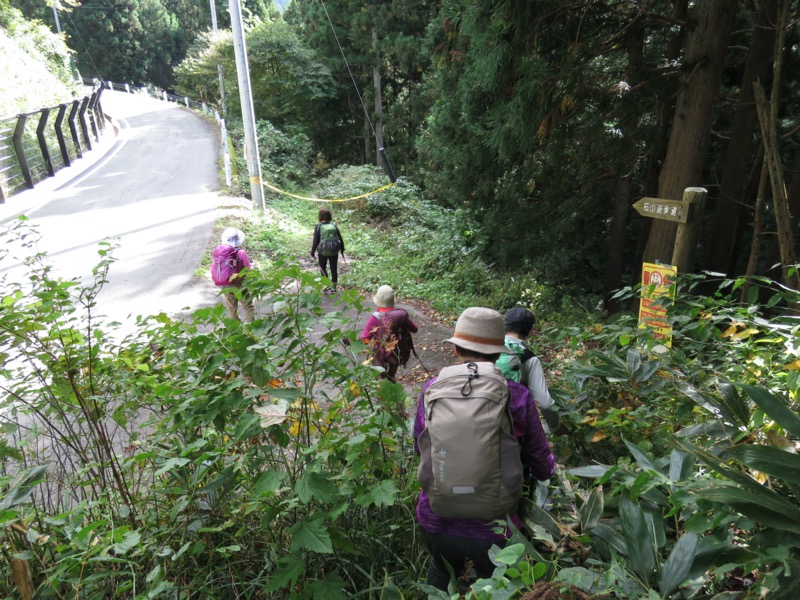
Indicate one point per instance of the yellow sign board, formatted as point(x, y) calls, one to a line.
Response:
point(657, 282)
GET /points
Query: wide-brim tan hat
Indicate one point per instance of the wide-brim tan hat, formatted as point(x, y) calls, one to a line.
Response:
point(384, 297)
point(480, 330)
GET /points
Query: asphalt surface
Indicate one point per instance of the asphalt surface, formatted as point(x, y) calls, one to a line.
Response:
point(153, 188)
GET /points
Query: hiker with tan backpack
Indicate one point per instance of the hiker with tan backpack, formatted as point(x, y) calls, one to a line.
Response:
point(479, 438)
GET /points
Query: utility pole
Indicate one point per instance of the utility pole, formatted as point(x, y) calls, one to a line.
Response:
point(55, 14)
point(219, 67)
point(246, 99)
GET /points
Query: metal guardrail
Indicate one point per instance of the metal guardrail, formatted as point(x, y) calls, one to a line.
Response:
point(33, 146)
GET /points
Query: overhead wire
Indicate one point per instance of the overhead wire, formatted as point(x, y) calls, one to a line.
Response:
point(78, 33)
point(371, 126)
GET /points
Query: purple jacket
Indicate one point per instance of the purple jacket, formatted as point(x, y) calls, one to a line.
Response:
point(537, 460)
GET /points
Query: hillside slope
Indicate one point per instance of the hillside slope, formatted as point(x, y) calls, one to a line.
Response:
point(35, 70)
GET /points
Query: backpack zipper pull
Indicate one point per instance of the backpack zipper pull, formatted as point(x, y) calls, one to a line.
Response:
point(466, 390)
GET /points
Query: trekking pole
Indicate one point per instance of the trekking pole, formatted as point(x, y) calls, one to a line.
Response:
point(346, 344)
point(414, 352)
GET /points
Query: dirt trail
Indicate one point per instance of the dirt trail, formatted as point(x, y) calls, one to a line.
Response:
point(433, 354)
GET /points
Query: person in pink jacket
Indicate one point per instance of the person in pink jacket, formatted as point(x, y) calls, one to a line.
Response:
point(388, 331)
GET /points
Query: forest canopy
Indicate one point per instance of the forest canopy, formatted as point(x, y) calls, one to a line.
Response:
point(545, 120)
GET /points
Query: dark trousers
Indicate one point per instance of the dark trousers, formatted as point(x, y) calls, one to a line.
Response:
point(334, 261)
point(456, 551)
point(390, 371)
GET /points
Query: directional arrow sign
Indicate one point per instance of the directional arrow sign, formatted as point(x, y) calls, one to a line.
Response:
point(659, 208)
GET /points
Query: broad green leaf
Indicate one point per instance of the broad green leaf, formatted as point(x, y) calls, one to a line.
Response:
point(592, 509)
point(130, 540)
point(734, 403)
point(383, 493)
point(580, 577)
point(676, 570)
point(268, 482)
point(244, 427)
point(286, 575)
point(610, 536)
point(762, 508)
point(532, 514)
point(311, 535)
point(316, 485)
point(172, 463)
point(332, 587)
point(633, 360)
point(639, 537)
point(591, 471)
point(714, 405)
point(775, 407)
point(711, 552)
point(773, 461)
point(285, 393)
point(642, 459)
point(22, 488)
point(509, 555)
point(771, 501)
point(681, 465)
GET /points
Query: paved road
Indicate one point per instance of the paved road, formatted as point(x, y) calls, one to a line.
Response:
point(156, 190)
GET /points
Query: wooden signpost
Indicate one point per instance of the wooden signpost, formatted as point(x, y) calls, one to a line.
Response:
point(657, 279)
point(658, 208)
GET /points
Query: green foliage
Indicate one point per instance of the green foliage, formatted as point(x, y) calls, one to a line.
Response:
point(288, 82)
point(401, 238)
point(359, 44)
point(264, 445)
point(36, 69)
point(707, 423)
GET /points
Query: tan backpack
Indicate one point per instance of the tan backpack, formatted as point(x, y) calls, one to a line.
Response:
point(470, 464)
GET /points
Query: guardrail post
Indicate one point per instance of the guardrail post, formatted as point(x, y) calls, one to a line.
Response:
point(164, 93)
point(48, 164)
point(93, 117)
point(186, 101)
point(127, 88)
point(110, 85)
point(73, 129)
point(98, 109)
point(84, 128)
point(62, 143)
point(19, 149)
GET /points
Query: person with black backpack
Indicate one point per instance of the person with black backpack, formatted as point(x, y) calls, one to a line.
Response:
point(479, 438)
point(328, 241)
point(388, 331)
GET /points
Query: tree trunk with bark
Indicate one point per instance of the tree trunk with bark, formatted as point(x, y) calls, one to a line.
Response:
point(731, 205)
point(694, 111)
point(622, 189)
point(665, 109)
